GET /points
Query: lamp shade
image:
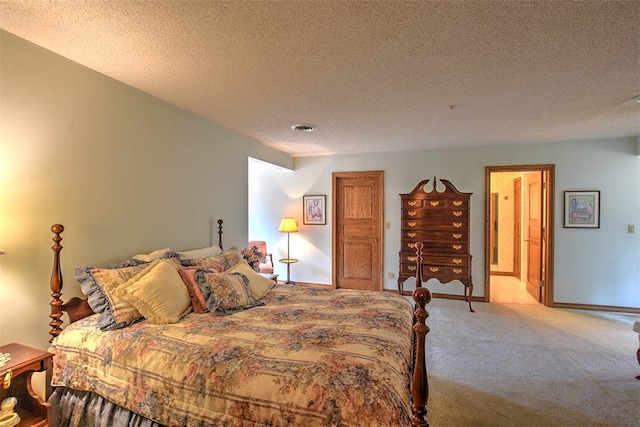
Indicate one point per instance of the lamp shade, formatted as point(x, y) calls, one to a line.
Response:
point(288, 225)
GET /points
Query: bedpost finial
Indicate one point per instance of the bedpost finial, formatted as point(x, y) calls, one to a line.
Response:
point(220, 221)
point(56, 284)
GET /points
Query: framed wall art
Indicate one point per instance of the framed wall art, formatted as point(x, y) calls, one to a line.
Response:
point(314, 210)
point(582, 209)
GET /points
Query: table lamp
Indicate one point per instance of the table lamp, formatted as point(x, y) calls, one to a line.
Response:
point(288, 225)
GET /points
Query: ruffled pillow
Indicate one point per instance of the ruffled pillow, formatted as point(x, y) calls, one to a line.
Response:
point(225, 293)
point(258, 285)
point(100, 286)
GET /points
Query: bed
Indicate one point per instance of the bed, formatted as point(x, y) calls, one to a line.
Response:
point(254, 355)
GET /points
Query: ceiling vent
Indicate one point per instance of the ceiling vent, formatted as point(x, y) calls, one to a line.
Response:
point(303, 127)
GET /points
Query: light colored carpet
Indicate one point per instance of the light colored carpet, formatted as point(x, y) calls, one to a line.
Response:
point(528, 365)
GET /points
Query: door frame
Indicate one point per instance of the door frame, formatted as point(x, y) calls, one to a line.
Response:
point(548, 174)
point(517, 232)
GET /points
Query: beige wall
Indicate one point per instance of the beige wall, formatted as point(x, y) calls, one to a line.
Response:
point(592, 266)
point(123, 171)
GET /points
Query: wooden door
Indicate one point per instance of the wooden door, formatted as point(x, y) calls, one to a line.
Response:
point(533, 233)
point(358, 230)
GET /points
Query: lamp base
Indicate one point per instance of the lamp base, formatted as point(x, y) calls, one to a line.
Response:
point(289, 282)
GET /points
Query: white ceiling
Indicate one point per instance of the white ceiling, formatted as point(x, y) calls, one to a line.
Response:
point(371, 75)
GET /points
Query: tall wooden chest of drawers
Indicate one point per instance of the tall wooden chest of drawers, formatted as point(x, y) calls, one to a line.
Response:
point(440, 220)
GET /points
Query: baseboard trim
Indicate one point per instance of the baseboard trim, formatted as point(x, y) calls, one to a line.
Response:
point(502, 273)
point(311, 285)
point(592, 307)
point(595, 307)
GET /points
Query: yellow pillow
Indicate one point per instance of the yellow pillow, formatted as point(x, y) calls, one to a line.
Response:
point(158, 293)
point(258, 285)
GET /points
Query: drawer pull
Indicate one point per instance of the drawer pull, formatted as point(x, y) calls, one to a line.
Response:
point(457, 213)
point(411, 258)
point(412, 213)
point(412, 268)
point(457, 247)
point(434, 269)
point(434, 202)
point(412, 223)
point(457, 261)
point(457, 203)
point(411, 245)
point(457, 224)
point(412, 203)
point(411, 234)
point(457, 270)
point(6, 381)
point(457, 235)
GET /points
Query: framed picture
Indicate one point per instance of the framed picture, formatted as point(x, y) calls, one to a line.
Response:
point(582, 209)
point(314, 210)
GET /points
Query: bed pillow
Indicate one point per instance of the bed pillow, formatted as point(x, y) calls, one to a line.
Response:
point(218, 263)
point(200, 253)
point(145, 258)
point(99, 285)
point(160, 253)
point(198, 302)
point(225, 293)
point(157, 292)
point(258, 285)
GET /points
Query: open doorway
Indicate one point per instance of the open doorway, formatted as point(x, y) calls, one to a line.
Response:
point(519, 234)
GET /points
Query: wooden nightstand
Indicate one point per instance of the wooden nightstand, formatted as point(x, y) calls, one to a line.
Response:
point(32, 409)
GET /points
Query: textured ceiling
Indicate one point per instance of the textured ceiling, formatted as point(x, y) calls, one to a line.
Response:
point(371, 75)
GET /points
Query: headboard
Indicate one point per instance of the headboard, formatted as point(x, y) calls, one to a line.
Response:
point(76, 308)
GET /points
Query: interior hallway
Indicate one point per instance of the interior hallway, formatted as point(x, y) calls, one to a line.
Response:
point(510, 290)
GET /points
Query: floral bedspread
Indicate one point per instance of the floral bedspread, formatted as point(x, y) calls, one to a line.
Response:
point(308, 357)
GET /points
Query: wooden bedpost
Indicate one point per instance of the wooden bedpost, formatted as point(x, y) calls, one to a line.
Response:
point(420, 383)
point(56, 284)
point(220, 233)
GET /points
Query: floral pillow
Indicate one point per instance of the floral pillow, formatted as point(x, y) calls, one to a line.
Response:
point(100, 286)
point(253, 257)
point(218, 263)
point(225, 293)
point(198, 302)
